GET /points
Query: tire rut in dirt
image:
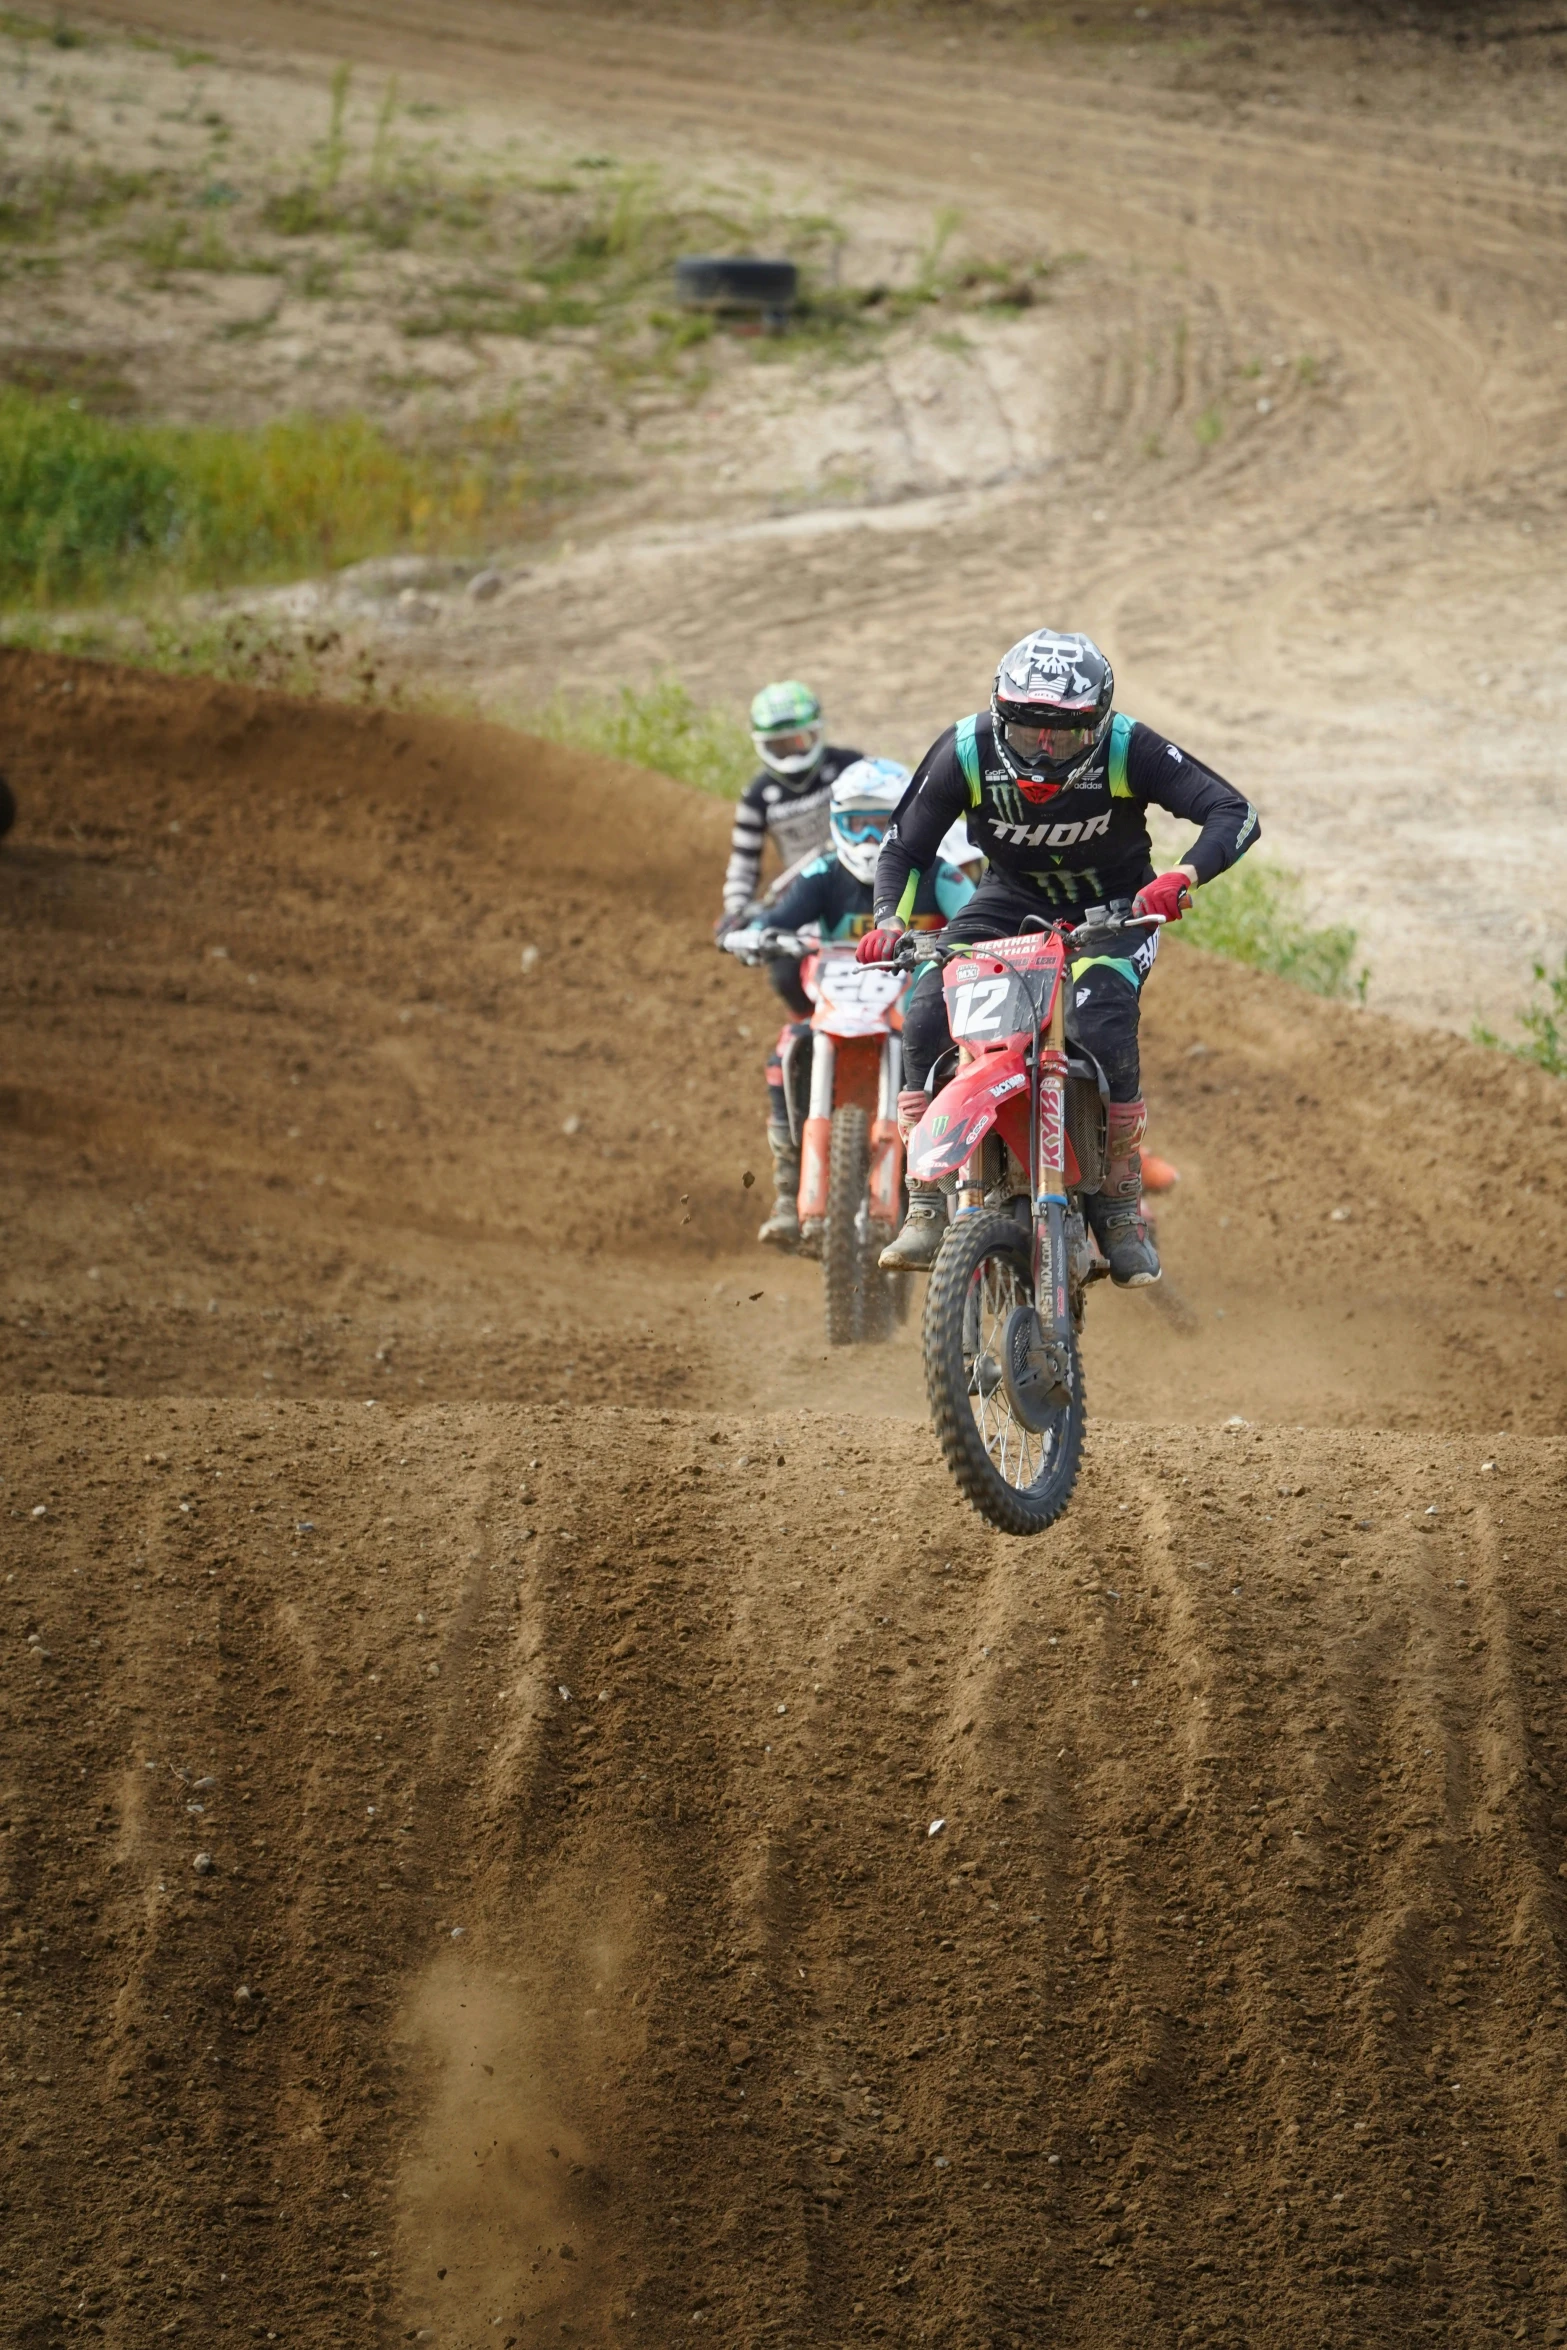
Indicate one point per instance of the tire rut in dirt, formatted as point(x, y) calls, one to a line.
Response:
point(669, 1999)
point(982, 1271)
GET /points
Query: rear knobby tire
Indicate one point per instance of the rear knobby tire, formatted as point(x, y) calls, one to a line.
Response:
point(879, 1291)
point(843, 1261)
point(1018, 1480)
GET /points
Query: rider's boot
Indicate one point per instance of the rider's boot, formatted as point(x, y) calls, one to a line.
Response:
point(925, 1226)
point(1114, 1212)
point(924, 1229)
point(782, 1228)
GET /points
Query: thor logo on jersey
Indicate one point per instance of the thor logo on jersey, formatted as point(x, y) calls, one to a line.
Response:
point(1051, 836)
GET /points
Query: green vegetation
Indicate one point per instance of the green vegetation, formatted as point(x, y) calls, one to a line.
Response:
point(1254, 914)
point(1209, 428)
point(336, 141)
point(28, 28)
point(662, 728)
point(92, 507)
point(167, 245)
point(66, 196)
point(596, 257)
point(1544, 1023)
point(242, 648)
point(930, 276)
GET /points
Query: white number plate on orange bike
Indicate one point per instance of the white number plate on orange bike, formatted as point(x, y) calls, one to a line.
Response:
point(856, 996)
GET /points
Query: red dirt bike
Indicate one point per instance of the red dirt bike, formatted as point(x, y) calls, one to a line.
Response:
point(1020, 1126)
point(851, 1196)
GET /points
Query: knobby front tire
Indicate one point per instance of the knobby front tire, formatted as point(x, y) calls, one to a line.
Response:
point(843, 1264)
point(1019, 1480)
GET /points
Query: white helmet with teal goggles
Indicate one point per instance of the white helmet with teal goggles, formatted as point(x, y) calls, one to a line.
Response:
point(786, 727)
point(864, 800)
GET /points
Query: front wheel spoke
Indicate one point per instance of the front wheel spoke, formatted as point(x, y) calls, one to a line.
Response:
point(1019, 1455)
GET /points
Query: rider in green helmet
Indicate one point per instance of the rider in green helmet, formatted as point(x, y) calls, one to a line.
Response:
point(788, 801)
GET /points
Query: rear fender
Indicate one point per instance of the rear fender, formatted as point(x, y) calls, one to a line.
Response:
point(963, 1113)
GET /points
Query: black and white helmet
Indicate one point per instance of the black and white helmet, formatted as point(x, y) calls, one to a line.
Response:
point(1052, 707)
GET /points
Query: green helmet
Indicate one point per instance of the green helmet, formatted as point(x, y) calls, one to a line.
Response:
point(786, 727)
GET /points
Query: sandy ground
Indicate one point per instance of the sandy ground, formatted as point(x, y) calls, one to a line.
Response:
point(1288, 440)
point(480, 1680)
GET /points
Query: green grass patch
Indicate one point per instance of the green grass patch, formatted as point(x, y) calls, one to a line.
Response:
point(170, 244)
point(1543, 1021)
point(660, 727)
point(1254, 914)
point(300, 212)
point(90, 507)
point(65, 196)
point(242, 648)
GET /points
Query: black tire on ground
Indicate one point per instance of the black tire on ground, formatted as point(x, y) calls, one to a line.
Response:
point(716, 281)
point(843, 1258)
point(879, 1291)
point(1017, 1480)
point(7, 807)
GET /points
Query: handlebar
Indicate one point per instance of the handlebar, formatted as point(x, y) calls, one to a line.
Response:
point(761, 945)
point(1103, 922)
point(758, 944)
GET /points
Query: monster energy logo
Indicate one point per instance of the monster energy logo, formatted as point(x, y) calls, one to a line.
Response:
point(1067, 889)
point(1009, 802)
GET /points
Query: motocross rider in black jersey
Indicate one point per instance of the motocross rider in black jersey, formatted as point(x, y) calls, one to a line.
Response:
point(788, 802)
point(1054, 784)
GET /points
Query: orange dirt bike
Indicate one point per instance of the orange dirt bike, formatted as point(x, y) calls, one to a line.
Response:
point(851, 1198)
point(1017, 1134)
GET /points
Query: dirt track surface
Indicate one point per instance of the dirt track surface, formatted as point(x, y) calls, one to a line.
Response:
point(562, 1664)
point(1300, 465)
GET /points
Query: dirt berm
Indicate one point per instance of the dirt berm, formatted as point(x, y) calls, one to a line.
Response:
point(481, 1688)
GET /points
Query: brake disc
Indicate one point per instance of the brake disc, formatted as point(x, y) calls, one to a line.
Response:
point(1035, 1370)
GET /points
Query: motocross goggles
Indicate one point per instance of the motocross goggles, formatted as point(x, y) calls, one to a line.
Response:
point(1047, 747)
point(791, 752)
point(861, 824)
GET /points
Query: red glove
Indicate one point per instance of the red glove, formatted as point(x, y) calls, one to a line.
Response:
point(878, 946)
point(912, 1106)
point(1170, 894)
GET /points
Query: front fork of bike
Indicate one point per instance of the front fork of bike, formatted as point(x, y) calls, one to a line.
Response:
point(886, 1181)
point(816, 1140)
point(1052, 1260)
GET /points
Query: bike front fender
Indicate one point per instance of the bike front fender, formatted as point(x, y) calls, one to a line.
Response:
point(963, 1113)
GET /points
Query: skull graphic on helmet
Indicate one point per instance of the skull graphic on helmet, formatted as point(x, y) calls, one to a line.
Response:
point(1052, 707)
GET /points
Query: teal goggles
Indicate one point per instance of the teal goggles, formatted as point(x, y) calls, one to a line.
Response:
point(861, 824)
